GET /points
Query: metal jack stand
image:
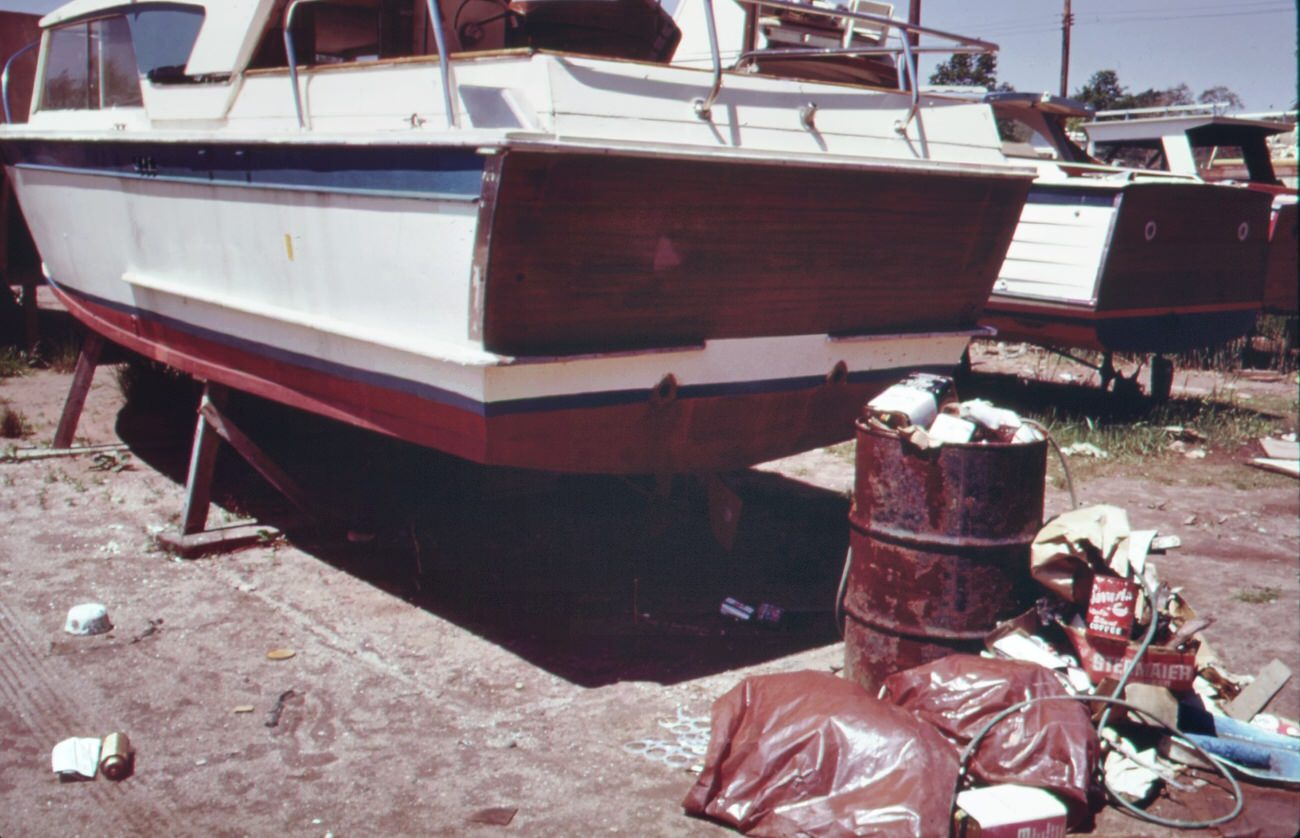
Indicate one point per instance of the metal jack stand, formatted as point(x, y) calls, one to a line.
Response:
point(212, 427)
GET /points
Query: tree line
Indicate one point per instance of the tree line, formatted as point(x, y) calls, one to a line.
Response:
point(1103, 90)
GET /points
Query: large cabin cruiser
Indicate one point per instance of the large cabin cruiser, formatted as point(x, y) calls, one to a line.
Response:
point(1202, 141)
point(1119, 259)
point(518, 232)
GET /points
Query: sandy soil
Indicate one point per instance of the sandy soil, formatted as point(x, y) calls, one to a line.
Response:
point(471, 643)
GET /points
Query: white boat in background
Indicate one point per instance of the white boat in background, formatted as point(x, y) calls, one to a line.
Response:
point(556, 249)
point(1120, 259)
point(1202, 141)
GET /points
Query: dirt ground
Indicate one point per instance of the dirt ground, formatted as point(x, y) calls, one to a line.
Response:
point(473, 646)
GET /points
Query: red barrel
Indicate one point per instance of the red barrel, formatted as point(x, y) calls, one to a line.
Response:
point(940, 548)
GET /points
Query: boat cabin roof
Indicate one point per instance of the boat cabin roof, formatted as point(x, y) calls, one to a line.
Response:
point(1202, 129)
point(1045, 102)
point(1186, 140)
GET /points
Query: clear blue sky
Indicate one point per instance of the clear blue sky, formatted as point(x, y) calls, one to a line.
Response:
point(1248, 46)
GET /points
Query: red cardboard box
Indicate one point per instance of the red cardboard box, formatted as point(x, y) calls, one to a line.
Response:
point(1110, 608)
point(1161, 665)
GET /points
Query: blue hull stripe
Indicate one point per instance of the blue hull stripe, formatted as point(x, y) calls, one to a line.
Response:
point(412, 171)
point(543, 404)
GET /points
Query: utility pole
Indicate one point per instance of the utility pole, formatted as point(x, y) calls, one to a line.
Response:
point(1067, 20)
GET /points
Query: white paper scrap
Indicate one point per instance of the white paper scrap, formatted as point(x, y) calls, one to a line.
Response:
point(77, 755)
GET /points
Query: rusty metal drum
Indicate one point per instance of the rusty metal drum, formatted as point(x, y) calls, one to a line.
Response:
point(940, 548)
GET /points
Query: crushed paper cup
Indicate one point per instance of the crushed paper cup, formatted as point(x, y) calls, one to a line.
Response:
point(87, 618)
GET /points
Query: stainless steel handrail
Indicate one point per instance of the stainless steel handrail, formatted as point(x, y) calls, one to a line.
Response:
point(444, 60)
point(291, 55)
point(962, 44)
point(704, 107)
point(439, 37)
point(4, 79)
point(902, 25)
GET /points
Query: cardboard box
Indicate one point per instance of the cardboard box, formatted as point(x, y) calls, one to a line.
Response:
point(1162, 666)
point(1009, 811)
point(1110, 608)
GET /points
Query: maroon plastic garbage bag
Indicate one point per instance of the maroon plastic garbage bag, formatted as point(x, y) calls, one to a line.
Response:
point(1051, 744)
point(807, 753)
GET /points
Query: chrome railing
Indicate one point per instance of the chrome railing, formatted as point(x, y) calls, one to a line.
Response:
point(439, 37)
point(905, 48)
point(4, 79)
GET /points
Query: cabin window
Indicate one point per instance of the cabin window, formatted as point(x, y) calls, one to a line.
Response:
point(1133, 154)
point(69, 82)
point(163, 39)
point(95, 64)
point(119, 76)
point(338, 31)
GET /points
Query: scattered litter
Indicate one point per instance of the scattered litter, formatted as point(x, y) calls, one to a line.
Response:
point(116, 757)
point(947, 428)
point(273, 715)
point(114, 461)
point(1287, 467)
point(686, 750)
point(924, 410)
point(766, 613)
point(1190, 520)
point(76, 757)
point(494, 816)
point(789, 752)
point(1260, 692)
point(913, 402)
point(86, 619)
point(1085, 449)
point(1182, 434)
point(1009, 809)
point(150, 630)
point(1130, 777)
point(280, 654)
point(732, 607)
point(243, 708)
point(1275, 724)
point(1163, 543)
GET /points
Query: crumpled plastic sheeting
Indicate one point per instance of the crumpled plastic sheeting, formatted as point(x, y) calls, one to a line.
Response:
point(807, 753)
point(1051, 744)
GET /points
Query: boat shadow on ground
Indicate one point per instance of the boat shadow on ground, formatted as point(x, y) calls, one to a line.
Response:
point(596, 579)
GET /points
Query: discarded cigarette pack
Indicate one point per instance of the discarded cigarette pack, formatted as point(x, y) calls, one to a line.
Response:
point(1009, 811)
point(1174, 669)
point(1110, 608)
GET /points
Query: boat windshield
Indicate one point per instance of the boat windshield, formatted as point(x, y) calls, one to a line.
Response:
point(98, 63)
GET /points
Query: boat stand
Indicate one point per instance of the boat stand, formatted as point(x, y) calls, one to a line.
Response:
point(1162, 375)
point(213, 426)
point(92, 348)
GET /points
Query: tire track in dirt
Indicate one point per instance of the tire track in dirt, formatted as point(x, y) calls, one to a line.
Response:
point(27, 686)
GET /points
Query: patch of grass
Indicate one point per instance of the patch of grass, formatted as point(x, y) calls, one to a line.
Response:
point(61, 353)
point(13, 362)
point(13, 424)
point(1257, 595)
point(1128, 438)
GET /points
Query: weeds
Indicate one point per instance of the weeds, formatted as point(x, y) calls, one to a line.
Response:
point(13, 424)
point(1214, 424)
point(13, 362)
point(1256, 595)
